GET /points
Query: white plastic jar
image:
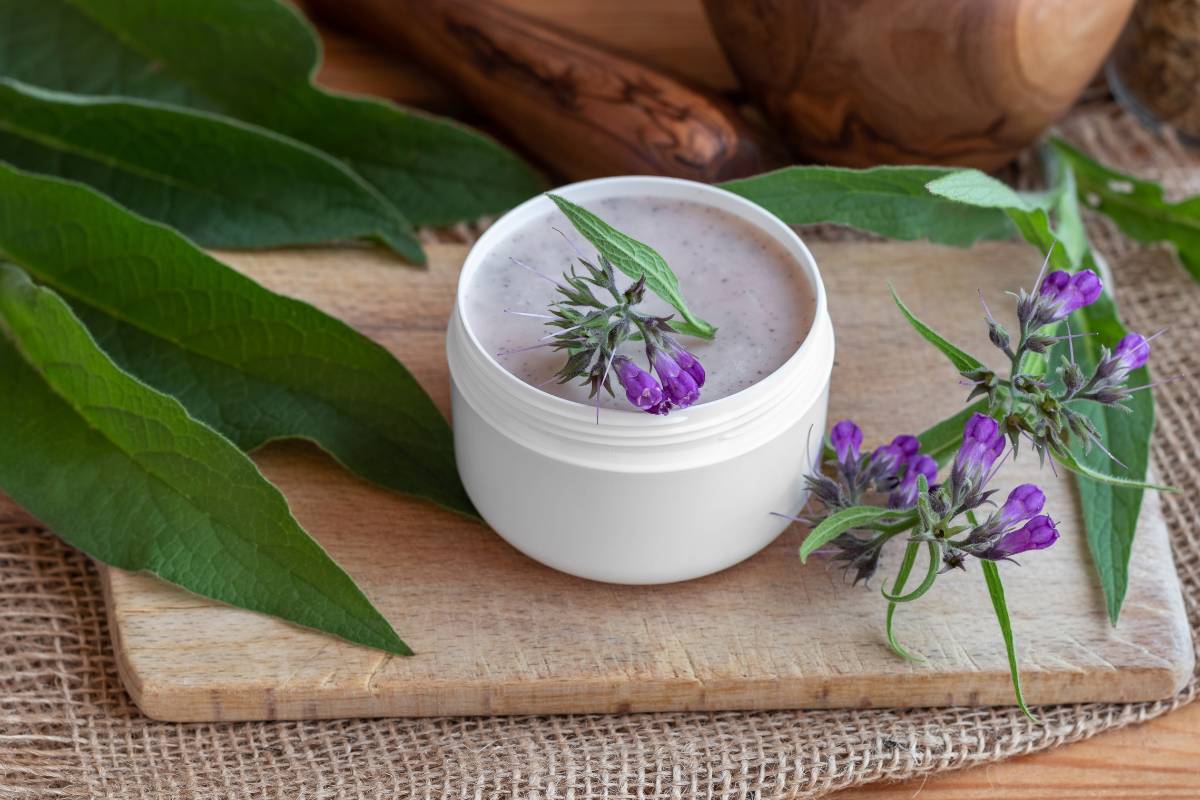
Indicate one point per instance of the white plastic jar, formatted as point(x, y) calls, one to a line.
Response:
point(638, 498)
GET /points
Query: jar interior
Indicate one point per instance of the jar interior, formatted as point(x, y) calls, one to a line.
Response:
point(732, 272)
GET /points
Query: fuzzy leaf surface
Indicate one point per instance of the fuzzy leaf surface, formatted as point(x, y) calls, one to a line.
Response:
point(253, 364)
point(221, 182)
point(254, 60)
point(125, 474)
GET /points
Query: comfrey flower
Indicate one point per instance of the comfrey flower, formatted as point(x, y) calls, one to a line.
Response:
point(679, 387)
point(982, 444)
point(641, 389)
point(853, 477)
point(688, 363)
point(1024, 503)
point(847, 439)
point(1033, 403)
point(905, 494)
point(1063, 293)
point(592, 329)
point(1037, 534)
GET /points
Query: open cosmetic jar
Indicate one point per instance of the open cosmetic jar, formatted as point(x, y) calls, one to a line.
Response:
point(612, 493)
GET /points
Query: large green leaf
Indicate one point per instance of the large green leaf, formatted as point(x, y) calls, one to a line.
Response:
point(1137, 206)
point(221, 182)
point(637, 260)
point(254, 59)
point(122, 472)
point(890, 201)
point(253, 364)
point(1110, 512)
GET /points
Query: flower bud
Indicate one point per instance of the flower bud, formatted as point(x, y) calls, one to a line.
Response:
point(998, 335)
point(689, 364)
point(1072, 378)
point(982, 444)
point(1039, 344)
point(905, 495)
point(1062, 293)
point(846, 438)
point(640, 387)
point(1037, 534)
point(1130, 353)
point(1024, 502)
point(678, 386)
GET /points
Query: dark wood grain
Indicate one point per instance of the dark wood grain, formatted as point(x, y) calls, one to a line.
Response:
point(968, 82)
point(582, 109)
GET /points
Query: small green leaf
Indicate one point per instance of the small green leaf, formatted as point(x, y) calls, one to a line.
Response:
point(962, 361)
point(1072, 463)
point(254, 365)
point(941, 441)
point(906, 565)
point(122, 472)
point(889, 201)
point(836, 524)
point(1028, 213)
point(636, 260)
point(1137, 206)
point(221, 182)
point(996, 591)
point(254, 60)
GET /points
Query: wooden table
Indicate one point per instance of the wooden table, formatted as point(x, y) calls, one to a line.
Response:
point(1160, 759)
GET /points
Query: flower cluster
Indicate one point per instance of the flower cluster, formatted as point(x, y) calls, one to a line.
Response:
point(591, 330)
point(1029, 406)
point(867, 500)
point(904, 477)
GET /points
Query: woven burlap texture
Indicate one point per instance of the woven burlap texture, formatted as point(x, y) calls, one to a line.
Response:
point(68, 729)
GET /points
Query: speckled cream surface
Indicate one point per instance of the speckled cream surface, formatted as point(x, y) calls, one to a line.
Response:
point(731, 274)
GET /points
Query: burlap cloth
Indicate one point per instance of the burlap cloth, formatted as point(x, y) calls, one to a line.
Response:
point(67, 728)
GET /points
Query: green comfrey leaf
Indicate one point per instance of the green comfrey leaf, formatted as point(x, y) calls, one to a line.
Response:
point(889, 201)
point(221, 182)
point(637, 260)
point(996, 591)
point(122, 472)
point(836, 524)
point(254, 365)
point(1136, 206)
point(962, 361)
point(254, 60)
point(1027, 212)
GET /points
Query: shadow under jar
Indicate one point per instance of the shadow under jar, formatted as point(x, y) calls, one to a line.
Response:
point(962, 82)
point(616, 494)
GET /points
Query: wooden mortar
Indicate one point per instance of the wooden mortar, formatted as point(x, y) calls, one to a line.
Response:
point(966, 82)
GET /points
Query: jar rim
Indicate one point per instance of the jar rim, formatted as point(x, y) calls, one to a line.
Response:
point(625, 424)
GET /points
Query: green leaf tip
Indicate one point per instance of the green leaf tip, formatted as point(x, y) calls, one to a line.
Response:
point(962, 361)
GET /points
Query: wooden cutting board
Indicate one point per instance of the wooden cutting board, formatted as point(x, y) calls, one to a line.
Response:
point(497, 633)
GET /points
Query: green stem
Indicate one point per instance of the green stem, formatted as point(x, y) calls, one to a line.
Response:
point(927, 584)
point(991, 574)
point(906, 565)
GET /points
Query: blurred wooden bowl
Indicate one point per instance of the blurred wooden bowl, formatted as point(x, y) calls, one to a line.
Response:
point(964, 82)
